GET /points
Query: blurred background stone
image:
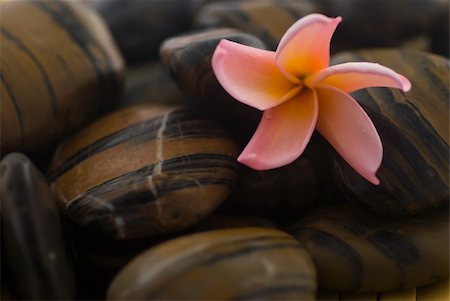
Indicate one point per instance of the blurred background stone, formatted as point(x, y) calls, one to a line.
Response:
point(150, 83)
point(371, 23)
point(140, 26)
point(59, 69)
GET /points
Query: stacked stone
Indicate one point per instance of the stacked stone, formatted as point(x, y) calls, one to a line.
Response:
point(123, 184)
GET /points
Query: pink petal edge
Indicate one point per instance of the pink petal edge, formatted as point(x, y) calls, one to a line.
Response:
point(283, 133)
point(348, 128)
point(353, 76)
point(305, 47)
point(250, 75)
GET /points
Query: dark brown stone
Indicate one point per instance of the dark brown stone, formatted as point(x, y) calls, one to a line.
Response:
point(235, 264)
point(58, 82)
point(414, 130)
point(188, 59)
point(144, 170)
point(151, 84)
point(357, 251)
point(140, 26)
point(32, 236)
point(369, 23)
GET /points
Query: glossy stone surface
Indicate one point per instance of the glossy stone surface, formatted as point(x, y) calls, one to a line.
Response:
point(144, 170)
point(241, 263)
point(32, 236)
point(414, 130)
point(73, 71)
point(188, 58)
point(357, 251)
point(140, 26)
point(150, 83)
point(99, 260)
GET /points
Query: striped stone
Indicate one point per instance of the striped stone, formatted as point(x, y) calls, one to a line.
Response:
point(357, 251)
point(188, 59)
point(33, 245)
point(236, 264)
point(58, 68)
point(414, 130)
point(144, 170)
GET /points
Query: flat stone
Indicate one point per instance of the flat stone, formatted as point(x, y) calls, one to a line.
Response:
point(32, 235)
point(357, 251)
point(71, 70)
point(144, 170)
point(414, 130)
point(235, 264)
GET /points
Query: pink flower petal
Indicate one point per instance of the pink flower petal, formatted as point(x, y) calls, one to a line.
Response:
point(350, 131)
point(251, 76)
point(350, 77)
point(305, 47)
point(283, 133)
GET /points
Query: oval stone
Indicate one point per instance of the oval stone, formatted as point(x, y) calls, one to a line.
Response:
point(32, 235)
point(144, 170)
point(357, 251)
point(188, 58)
point(71, 69)
point(236, 264)
point(99, 260)
point(414, 130)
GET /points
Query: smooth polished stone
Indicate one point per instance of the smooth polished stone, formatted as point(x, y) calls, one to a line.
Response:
point(150, 83)
point(59, 68)
point(188, 58)
point(144, 170)
point(236, 264)
point(414, 130)
point(32, 235)
point(357, 251)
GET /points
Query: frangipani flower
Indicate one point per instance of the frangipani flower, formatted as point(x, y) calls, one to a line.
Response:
point(299, 92)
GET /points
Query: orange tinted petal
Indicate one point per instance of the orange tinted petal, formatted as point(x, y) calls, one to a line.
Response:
point(305, 47)
point(350, 131)
point(350, 77)
point(250, 75)
point(283, 133)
